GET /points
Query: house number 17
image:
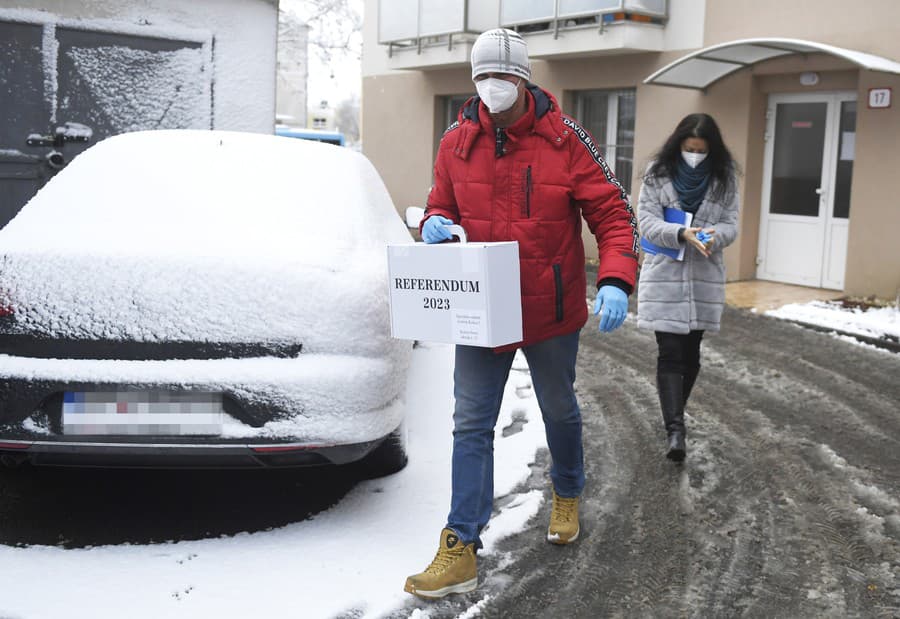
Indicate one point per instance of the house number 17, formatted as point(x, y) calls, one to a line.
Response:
point(879, 97)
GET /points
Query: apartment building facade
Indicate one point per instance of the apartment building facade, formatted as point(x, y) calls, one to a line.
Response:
point(805, 93)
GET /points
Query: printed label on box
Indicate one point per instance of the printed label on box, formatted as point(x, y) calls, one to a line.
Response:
point(468, 327)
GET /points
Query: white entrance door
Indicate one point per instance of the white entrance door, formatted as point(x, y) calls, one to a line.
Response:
point(810, 141)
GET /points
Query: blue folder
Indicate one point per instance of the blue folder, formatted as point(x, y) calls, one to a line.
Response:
point(674, 216)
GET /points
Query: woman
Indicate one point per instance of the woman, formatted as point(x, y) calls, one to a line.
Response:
point(680, 299)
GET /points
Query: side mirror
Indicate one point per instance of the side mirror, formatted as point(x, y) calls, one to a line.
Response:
point(414, 215)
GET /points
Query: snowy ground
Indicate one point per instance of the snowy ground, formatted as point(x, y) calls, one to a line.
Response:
point(350, 559)
point(876, 323)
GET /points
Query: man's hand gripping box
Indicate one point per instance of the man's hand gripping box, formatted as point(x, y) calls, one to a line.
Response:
point(456, 293)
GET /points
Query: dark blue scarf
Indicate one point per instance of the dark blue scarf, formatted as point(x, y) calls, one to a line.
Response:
point(691, 184)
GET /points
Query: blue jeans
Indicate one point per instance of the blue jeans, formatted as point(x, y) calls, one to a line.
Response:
point(479, 378)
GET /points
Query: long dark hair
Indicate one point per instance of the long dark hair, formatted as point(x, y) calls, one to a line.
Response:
point(722, 166)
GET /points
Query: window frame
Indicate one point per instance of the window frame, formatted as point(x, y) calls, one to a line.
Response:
point(609, 145)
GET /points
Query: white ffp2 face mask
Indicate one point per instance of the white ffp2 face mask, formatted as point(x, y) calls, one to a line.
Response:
point(693, 159)
point(498, 95)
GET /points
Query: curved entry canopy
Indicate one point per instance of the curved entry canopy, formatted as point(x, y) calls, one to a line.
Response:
point(701, 68)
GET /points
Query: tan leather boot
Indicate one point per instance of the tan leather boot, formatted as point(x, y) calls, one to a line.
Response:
point(453, 570)
point(564, 527)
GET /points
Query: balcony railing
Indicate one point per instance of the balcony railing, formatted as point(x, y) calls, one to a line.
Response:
point(414, 23)
point(556, 15)
point(404, 24)
point(515, 13)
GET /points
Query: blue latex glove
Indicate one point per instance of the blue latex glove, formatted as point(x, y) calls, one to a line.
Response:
point(703, 237)
point(434, 231)
point(613, 302)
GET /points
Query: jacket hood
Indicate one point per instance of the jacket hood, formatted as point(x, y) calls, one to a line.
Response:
point(543, 116)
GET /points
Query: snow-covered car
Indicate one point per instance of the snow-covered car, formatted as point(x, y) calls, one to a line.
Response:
point(203, 298)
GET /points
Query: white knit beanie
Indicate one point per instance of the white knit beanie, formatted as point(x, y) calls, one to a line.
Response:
point(500, 51)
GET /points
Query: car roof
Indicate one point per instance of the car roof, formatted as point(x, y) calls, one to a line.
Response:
point(208, 192)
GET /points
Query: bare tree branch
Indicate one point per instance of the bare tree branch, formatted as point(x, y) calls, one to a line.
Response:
point(333, 30)
point(335, 27)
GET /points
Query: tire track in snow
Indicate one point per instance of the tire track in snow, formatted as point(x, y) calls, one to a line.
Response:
point(787, 505)
point(828, 507)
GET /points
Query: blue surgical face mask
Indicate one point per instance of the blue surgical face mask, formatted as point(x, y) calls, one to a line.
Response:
point(498, 95)
point(693, 159)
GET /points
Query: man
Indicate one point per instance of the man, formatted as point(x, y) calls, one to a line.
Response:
point(514, 168)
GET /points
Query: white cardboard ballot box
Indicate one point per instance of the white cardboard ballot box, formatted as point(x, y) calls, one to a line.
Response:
point(456, 293)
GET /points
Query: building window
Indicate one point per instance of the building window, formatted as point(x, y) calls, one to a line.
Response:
point(446, 110)
point(452, 105)
point(609, 116)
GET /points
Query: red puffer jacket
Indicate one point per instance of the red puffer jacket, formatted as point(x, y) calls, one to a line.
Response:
point(548, 175)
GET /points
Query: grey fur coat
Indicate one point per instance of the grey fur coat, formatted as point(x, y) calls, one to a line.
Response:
point(682, 296)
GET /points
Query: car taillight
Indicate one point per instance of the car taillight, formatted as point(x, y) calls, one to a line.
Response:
point(15, 445)
point(6, 305)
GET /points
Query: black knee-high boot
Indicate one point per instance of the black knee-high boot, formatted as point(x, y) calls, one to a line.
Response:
point(671, 401)
point(690, 377)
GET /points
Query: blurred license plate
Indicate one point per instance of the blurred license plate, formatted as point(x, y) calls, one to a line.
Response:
point(142, 413)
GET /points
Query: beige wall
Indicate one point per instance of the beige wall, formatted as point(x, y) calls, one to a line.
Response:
point(873, 251)
point(866, 25)
point(393, 133)
point(399, 132)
